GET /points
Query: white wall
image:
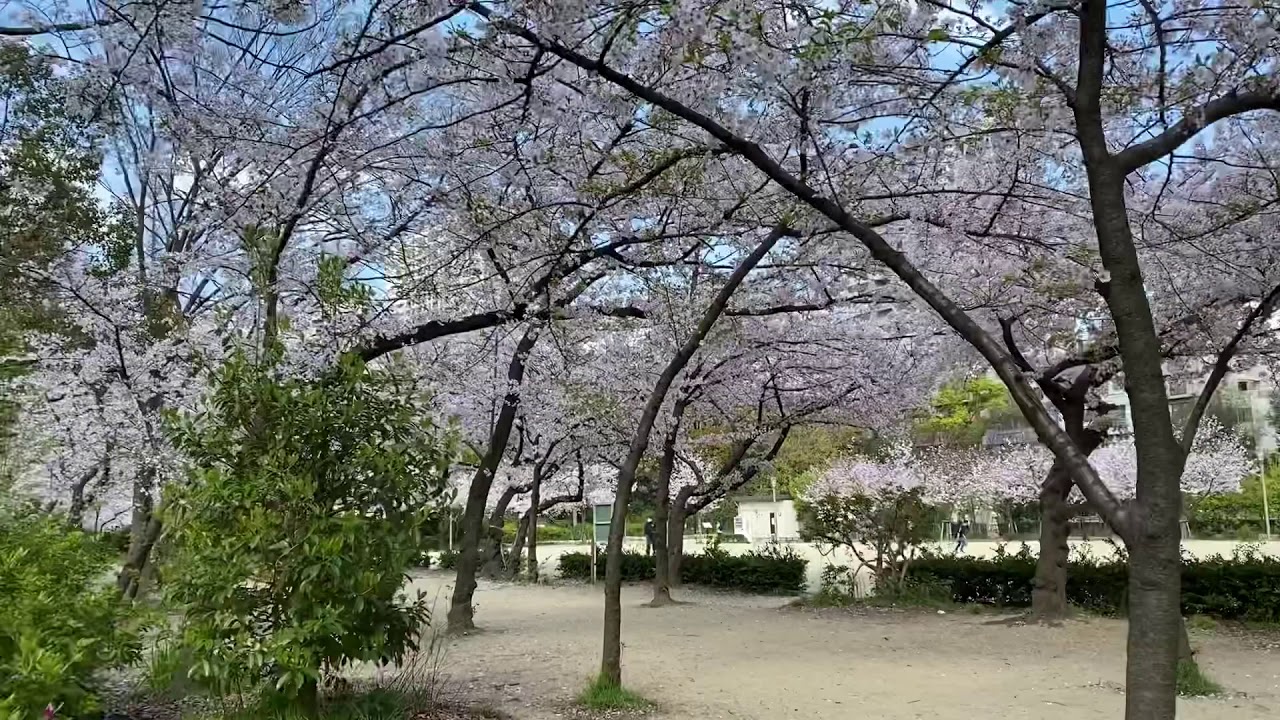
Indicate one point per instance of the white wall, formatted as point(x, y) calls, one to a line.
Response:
point(755, 515)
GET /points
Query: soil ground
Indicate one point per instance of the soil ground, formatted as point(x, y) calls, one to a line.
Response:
point(734, 656)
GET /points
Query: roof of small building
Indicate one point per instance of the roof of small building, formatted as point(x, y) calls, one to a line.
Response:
point(764, 498)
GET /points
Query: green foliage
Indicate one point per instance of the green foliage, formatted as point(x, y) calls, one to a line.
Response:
point(884, 529)
point(47, 171)
point(116, 538)
point(555, 532)
point(1245, 586)
point(1231, 514)
point(808, 450)
point(603, 695)
point(375, 704)
point(839, 587)
point(767, 571)
point(448, 559)
point(61, 620)
point(958, 409)
point(300, 516)
point(913, 592)
point(1192, 682)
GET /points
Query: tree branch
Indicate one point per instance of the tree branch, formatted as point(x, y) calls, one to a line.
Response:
point(1192, 122)
point(1222, 364)
point(1019, 387)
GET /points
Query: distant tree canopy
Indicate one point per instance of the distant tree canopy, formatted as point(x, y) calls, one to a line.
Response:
point(962, 410)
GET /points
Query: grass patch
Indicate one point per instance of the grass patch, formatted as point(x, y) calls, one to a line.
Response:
point(602, 694)
point(1202, 622)
point(1192, 682)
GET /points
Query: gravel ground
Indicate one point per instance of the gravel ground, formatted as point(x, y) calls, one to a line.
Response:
point(733, 656)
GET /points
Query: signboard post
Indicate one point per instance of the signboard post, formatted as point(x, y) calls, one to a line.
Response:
point(601, 518)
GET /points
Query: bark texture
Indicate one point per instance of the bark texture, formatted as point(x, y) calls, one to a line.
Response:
point(1152, 532)
point(461, 617)
point(662, 505)
point(1049, 589)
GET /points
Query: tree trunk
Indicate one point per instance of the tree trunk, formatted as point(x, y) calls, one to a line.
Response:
point(1149, 524)
point(1156, 629)
point(533, 541)
point(662, 503)
point(460, 613)
point(675, 539)
point(661, 560)
point(516, 555)
point(1049, 589)
point(75, 511)
point(461, 616)
point(611, 655)
point(129, 581)
point(493, 564)
point(144, 529)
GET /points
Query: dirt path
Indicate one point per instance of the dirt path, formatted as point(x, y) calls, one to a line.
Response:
point(728, 656)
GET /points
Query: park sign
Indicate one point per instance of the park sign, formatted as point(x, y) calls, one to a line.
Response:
point(602, 517)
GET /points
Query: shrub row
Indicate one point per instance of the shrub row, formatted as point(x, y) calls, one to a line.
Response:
point(1245, 586)
point(767, 571)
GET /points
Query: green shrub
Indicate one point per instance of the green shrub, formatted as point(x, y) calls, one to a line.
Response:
point(448, 559)
point(61, 619)
point(839, 587)
point(636, 567)
point(116, 538)
point(1237, 515)
point(553, 532)
point(301, 514)
point(771, 570)
point(1245, 586)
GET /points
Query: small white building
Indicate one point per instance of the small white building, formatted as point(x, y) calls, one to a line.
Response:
point(761, 519)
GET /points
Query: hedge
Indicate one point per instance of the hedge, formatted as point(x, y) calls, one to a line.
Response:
point(767, 571)
point(1246, 586)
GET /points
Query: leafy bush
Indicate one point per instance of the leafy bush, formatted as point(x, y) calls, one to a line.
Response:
point(883, 525)
point(61, 619)
point(1244, 586)
point(552, 532)
point(448, 559)
point(116, 538)
point(301, 515)
point(1237, 515)
point(771, 570)
point(839, 587)
point(636, 566)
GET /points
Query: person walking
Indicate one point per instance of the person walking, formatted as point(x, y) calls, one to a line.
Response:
point(648, 536)
point(962, 536)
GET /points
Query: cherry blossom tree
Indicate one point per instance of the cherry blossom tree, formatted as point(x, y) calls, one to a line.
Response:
point(860, 489)
point(491, 163)
point(777, 57)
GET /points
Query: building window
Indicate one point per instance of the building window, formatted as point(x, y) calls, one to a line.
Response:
point(1243, 386)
